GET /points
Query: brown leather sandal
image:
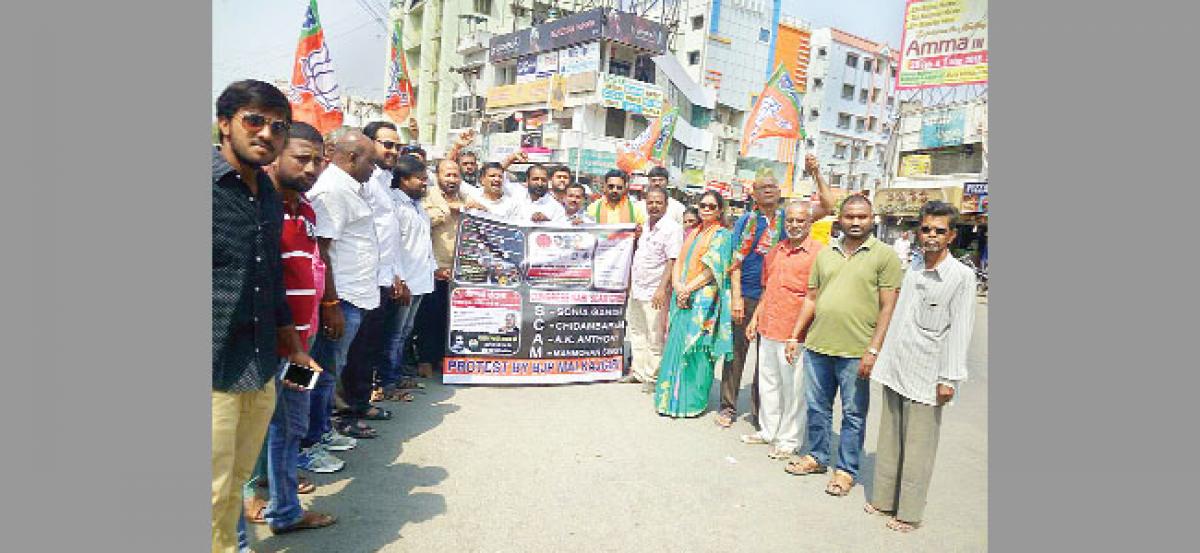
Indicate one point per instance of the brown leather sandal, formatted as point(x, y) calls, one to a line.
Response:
point(255, 508)
point(841, 484)
point(805, 465)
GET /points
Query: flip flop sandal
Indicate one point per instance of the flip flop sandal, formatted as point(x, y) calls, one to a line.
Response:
point(872, 510)
point(381, 414)
point(410, 384)
point(724, 419)
point(377, 394)
point(310, 521)
point(255, 510)
point(779, 454)
point(357, 432)
point(399, 395)
point(805, 465)
point(901, 526)
point(305, 486)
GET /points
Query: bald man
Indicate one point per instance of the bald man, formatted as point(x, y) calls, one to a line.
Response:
point(346, 234)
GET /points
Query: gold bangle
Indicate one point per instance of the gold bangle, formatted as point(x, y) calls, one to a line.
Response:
point(330, 303)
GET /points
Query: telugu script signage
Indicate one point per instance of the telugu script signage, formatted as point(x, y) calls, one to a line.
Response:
point(583, 27)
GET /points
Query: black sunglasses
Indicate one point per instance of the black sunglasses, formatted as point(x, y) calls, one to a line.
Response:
point(388, 144)
point(254, 122)
point(939, 231)
point(708, 206)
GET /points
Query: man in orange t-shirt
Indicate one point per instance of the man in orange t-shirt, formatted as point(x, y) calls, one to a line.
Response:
point(780, 383)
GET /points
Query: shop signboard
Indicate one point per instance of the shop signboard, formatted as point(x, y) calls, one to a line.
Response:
point(975, 197)
point(907, 202)
point(580, 58)
point(583, 27)
point(943, 127)
point(631, 95)
point(913, 165)
point(533, 92)
point(944, 43)
point(594, 162)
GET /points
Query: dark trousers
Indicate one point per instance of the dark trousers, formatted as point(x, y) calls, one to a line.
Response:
point(731, 373)
point(432, 325)
point(359, 373)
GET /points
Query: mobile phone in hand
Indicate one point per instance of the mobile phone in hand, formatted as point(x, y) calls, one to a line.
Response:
point(300, 375)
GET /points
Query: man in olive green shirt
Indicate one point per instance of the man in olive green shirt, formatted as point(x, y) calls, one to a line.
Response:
point(851, 294)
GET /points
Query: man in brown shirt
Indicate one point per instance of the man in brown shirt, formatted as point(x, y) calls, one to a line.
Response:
point(444, 204)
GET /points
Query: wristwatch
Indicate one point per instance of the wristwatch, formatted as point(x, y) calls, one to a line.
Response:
point(873, 351)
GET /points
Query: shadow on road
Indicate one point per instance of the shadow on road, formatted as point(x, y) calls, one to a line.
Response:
point(376, 495)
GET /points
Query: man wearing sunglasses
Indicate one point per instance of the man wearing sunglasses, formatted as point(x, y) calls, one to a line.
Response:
point(921, 365)
point(250, 314)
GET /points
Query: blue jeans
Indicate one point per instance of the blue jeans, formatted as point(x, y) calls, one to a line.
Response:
point(288, 425)
point(331, 355)
point(399, 328)
point(825, 375)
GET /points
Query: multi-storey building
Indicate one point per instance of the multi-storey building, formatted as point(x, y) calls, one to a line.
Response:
point(446, 43)
point(849, 107)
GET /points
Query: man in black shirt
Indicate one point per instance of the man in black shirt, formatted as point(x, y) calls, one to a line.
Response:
point(250, 314)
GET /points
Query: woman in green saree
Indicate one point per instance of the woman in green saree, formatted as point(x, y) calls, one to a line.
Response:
point(700, 335)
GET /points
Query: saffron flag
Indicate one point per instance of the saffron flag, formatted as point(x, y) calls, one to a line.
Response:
point(314, 92)
point(776, 113)
point(649, 148)
point(400, 100)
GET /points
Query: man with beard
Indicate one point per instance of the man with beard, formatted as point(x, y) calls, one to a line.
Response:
point(444, 205)
point(851, 295)
point(781, 383)
point(922, 363)
point(542, 207)
point(365, 357)
point(560, 177)
point(754, 234)
point(416, 267)
point(293, 174)
point(615, 206)
point(346, 234)
point(250, 314)
point(469, 162)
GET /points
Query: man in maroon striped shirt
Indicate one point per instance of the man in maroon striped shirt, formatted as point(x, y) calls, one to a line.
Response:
point(304, 275)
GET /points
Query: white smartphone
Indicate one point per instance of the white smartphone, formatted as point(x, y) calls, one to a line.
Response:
point(299, 374)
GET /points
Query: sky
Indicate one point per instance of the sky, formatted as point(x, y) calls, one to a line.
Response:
point(257, 39)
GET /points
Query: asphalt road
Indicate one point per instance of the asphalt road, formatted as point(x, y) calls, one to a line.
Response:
point(593, 468)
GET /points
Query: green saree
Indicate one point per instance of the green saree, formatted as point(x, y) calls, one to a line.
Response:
point(700, 336)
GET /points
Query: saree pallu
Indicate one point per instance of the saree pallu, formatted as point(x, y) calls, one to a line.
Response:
point(700, 336)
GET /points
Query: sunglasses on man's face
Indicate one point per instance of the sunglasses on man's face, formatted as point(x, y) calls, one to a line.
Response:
point(388, 144)
point(254, 122)
point(939, 231)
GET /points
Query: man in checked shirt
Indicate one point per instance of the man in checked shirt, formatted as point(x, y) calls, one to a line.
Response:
point(921, 364)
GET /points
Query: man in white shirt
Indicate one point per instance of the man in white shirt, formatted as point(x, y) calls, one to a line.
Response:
point(575, 198)
point(902, 247)
point(415, 267)
point(541, 206)
point(365, 357)
point(346, 236)
point(649, 288)
point(492, 199)
point(921, 365)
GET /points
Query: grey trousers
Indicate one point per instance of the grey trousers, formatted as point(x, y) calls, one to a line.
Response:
point(908, 440)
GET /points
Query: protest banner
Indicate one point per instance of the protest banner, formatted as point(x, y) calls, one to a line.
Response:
point(537, 304)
